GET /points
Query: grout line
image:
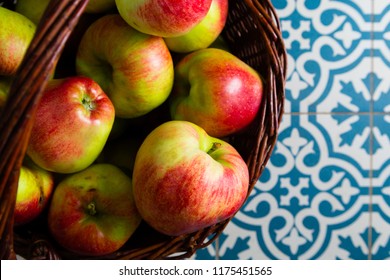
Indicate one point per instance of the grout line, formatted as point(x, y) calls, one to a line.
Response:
point(217, 256)
point(371, 113)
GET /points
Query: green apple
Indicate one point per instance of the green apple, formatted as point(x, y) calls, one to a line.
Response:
point(92, 212)
point(16, 33)
point(163, 18)
point(121, 151)
point(34, 9)
point(72, 124)
point(35, 188)
point(204, 33)
point(217, 91)
point(133, 68)
point(184, 180)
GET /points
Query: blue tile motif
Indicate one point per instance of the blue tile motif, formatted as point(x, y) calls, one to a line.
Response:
point(325, 193)
point(329, 47)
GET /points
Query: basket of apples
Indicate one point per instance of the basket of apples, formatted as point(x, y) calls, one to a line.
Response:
point(133, 129)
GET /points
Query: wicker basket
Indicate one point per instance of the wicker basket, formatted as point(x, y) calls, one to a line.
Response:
point(252, 33)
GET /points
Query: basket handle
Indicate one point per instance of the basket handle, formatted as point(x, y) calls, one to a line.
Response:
point(17, 117)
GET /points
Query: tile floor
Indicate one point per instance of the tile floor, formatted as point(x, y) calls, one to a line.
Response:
point(325, 193)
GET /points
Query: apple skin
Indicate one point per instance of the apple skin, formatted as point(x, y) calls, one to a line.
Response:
point(35, 188)
point(16, 33)
point(32, 9)
point(217, 91)
point(163, 18)
point(133, 68)
point(185, 180)
point(73, 121)
point(204, 33)
point(92, 212)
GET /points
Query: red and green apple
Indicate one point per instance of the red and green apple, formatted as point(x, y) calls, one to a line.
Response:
point(16, 33)
point(35, 188)
point(73, 121)
point(163, 18)
point(185, 180)
point(204, 33)
point(217, 91)
point(133, 68)
point(92, 212)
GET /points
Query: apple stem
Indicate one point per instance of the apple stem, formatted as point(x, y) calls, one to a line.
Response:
point(215, 146)
point(91, 208)
point(88, 103)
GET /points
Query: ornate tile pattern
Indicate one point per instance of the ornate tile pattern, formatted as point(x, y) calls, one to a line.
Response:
point(325, 193)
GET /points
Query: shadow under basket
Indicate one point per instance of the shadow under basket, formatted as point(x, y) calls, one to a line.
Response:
point(252, 33)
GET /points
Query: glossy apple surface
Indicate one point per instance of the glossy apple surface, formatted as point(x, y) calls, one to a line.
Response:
point(133, 68)
point(35, 188)
point(185, 180)
point(204, 33)
point(72, 124)
point(92, 212)
point(217, 91)
point(163, 18)
point(16, 33)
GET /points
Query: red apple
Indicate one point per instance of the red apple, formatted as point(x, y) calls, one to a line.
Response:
point(204, 33)
point(35, 188)
point(163, 18)
point(133, 68)
point(217, 91)
point(92, 212)
point(72, 124)
point(16, 33)
point(185, 180)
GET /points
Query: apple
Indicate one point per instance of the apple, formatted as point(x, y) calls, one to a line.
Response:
point(34, 9)
point(133, 68)
point(185, 180)
point(204, 33)
point(92, 212)
point(16, 33)
point(100, 6)
point(217, 91)
point(121, 151)
point(163, 18)
point(73, 121)
point(35, 188)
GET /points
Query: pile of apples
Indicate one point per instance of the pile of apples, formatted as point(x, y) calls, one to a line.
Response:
point(138, 130)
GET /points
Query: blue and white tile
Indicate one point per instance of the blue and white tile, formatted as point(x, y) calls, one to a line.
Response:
point(312, 201)
point(381, 188)
point(381, 53)
point(329, 48)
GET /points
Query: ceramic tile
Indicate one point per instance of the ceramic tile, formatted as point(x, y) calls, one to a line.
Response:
point(381, 188)
point(381, 59)
point(312, 201)
point(329, 48)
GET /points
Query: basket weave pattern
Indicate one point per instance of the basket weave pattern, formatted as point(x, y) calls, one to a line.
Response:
point(252, 33)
